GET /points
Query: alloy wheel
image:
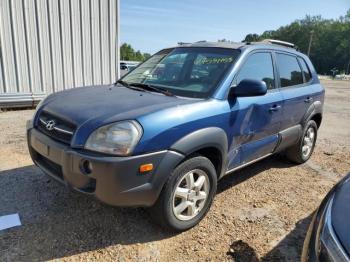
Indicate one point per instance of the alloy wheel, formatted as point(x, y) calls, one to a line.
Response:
point(308, 142)
point(190, 194)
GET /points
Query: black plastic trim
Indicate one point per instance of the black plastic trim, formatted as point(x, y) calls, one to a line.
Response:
point(204, 138)
point(314, 109)
point(289, 137)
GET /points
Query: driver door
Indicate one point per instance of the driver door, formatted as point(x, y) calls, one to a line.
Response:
point(257, 119)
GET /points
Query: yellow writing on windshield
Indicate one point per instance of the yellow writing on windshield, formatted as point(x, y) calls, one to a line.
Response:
point(213, 60)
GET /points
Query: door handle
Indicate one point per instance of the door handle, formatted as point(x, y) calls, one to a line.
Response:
point(308, 99)
point(274, 108)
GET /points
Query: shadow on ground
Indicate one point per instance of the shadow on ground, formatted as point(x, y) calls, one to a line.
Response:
point(59, 223)
point(288, 249)
point(291, 246)
point(239, 176)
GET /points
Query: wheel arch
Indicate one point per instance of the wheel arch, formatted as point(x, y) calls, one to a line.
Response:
point(210, 142)
point(214, 155)
point(314, 112)
point(317, 118)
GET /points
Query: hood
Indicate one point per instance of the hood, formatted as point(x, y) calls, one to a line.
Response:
point(108, 103)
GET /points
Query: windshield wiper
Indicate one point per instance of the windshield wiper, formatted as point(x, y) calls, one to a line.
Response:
point(125, 84)
point(152, 88)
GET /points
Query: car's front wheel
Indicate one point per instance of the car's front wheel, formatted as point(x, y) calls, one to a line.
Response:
point(187, 195)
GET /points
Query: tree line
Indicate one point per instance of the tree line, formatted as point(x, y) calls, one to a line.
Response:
point(330, 41)
point(329, 49)
point(129, 54)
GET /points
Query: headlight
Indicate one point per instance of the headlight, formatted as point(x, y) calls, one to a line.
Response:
point(117, 139)
point(329, 247)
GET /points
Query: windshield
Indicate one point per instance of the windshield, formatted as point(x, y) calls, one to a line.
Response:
point(185, 71)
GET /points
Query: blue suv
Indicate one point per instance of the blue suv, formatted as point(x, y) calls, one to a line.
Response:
point(164, 134)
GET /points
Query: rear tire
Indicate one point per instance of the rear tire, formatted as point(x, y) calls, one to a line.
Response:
point(187, 195)
point(302, 151)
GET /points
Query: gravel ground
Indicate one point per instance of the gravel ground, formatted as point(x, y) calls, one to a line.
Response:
point(260, 213)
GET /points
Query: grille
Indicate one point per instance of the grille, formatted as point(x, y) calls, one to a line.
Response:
point(60, 130)
point(49, 165)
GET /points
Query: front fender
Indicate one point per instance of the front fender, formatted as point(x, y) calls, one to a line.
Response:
point(203, 138)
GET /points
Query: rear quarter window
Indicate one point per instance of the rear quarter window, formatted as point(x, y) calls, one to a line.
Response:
point(306, 70)
point(289, 70)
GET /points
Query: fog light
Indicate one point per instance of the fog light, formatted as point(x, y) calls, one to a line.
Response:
point(146, 168)
point(86, 167)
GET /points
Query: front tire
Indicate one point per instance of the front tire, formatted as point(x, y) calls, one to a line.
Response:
point(187, 195)
point(302, 151)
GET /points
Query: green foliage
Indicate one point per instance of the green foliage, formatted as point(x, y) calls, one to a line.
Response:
point(129, 54)
point(251, 38)
point(330, 45)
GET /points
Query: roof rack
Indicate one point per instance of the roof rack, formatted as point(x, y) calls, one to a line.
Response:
point(188, 43)
point(278, 42)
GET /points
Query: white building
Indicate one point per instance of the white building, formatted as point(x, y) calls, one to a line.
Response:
point(51, 45)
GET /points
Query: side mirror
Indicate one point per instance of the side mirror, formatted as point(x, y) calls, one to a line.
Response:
point(249, 87)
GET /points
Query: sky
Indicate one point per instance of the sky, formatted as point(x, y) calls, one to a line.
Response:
point(151, 25)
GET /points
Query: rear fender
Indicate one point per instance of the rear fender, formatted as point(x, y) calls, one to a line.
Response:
point(314, 108)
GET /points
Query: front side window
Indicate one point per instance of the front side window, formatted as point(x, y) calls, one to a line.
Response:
point(185, 71)
point(289, 70)
point(258, 66)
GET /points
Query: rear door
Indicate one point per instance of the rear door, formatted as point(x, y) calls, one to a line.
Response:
point(294, 89)
point(257, 119)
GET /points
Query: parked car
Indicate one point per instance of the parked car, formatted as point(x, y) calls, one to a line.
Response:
point(328, 237)
point(123, 66)
point(126, 68)
point(164, 134)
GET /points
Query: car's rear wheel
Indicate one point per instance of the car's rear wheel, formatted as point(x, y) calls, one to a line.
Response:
point(302, 151)
point(187, 195)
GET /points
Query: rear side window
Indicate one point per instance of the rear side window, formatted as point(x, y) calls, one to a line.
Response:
point(258, 66)
point(305, 69)
point(289, 69)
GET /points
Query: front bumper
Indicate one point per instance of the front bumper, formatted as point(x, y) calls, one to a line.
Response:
point(113, 180)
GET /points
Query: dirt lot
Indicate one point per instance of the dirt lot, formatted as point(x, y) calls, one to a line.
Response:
point(260, 213)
